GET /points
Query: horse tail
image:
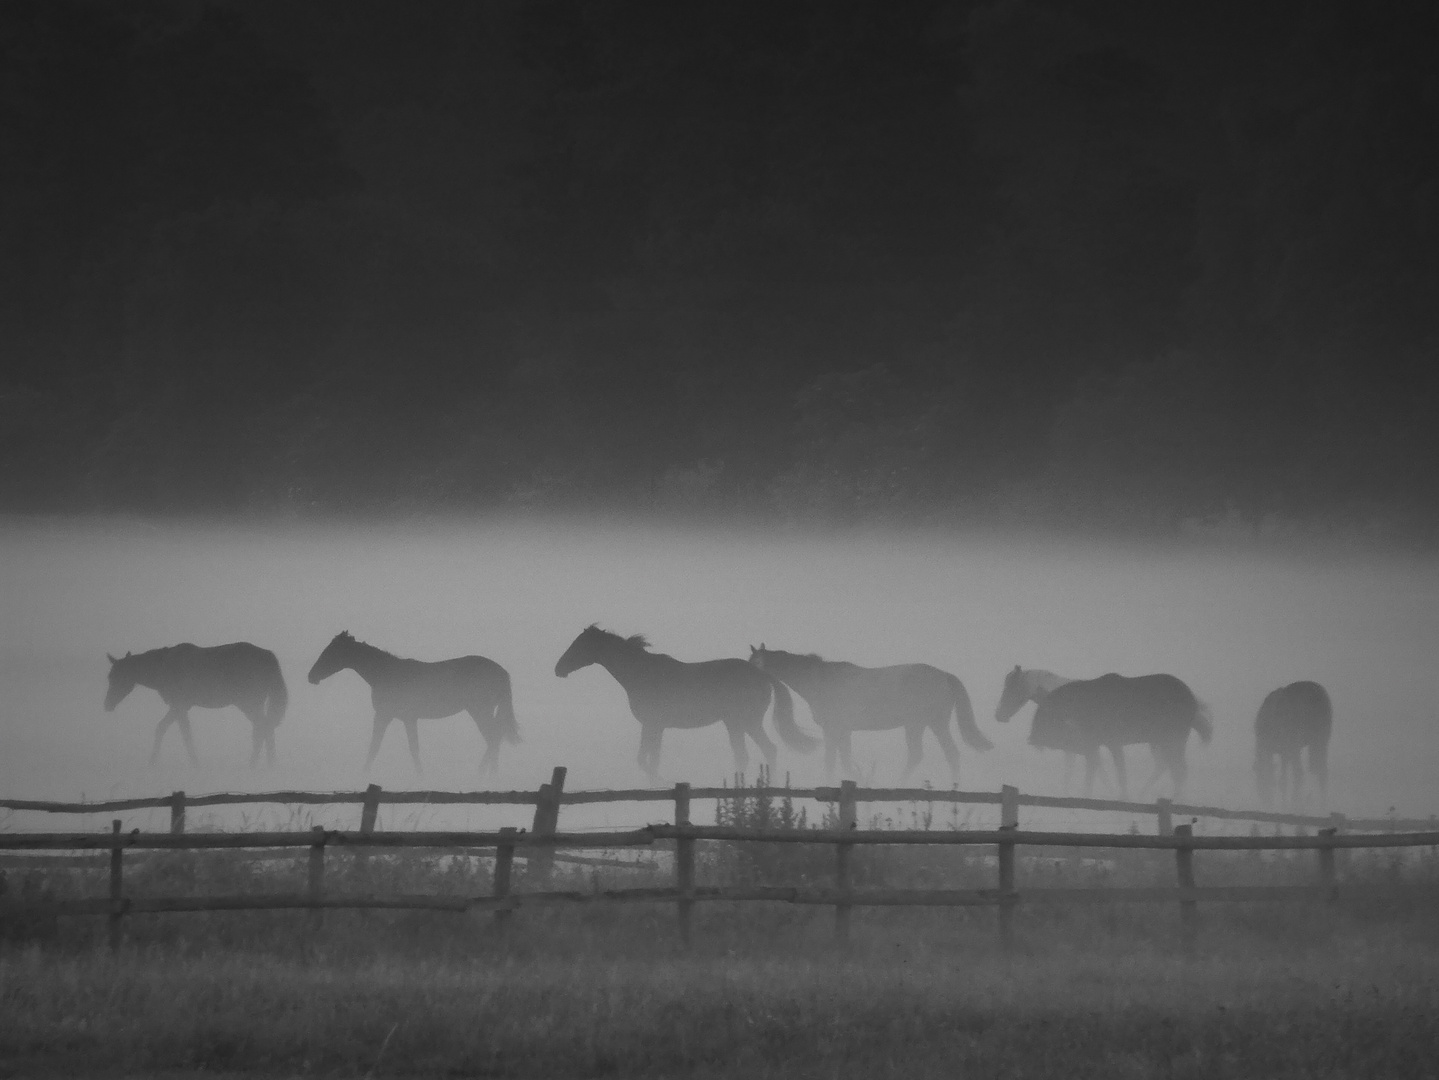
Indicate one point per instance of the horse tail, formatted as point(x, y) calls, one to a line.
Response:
point(795, 737)
point(1203, 721)
point(505, 711)
point(277, 698)
point(964, 714)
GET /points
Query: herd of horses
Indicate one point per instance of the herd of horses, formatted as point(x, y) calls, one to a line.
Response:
point(1081, 717)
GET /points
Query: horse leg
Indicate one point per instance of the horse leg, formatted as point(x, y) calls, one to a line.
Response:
point(830, 753)
point(764, 742)
point(490, 763)
point(846, 753)
point(257, 742)
point(412, 733)
point(187, 738)
point(165, 721)
point(270, 743)
point(739, 749)
point(649, 756)
point(376, 737)
point(914, 738)
point(1319, 766)
point(1117, 753)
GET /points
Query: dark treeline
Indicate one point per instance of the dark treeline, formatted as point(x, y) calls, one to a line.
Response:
point(1081, 261)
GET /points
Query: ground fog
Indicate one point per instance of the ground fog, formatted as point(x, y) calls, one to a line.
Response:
point(1232, 623)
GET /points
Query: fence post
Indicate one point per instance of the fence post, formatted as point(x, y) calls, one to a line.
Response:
point(848, 819)
point(1327, 876)
point(684, 864)
point(177, 812)
point(1340, 824)
point(1008, 822)
point(1188, 915)
point(1165, 816)
point(504, 864)
point(547, 819)
point(370, 810)
point(317, 875)
point(117, 901)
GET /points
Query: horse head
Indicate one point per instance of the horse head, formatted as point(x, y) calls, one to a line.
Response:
point(583, 651)
point(757, 657)
point(1014, 695)
point(334, 658)
point(122, 680)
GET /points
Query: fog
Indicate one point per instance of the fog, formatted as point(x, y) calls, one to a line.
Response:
point(1233, 623)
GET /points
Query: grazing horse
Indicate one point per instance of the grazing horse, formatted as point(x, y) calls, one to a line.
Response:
point(1114, 711)
point(669, 693)
point(846, 698)
point(1290, 719)
point(186, 676)
point(1022, 686)
point(413, 690)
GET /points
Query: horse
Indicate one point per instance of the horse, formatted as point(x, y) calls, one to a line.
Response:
point(1021, 686)
point(668, 693)
point(414, 690)
point(1289, 720)
point(186, 676)
point(846, 698)
point(1114, 711)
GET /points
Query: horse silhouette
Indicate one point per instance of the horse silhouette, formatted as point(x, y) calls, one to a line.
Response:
point(1113, 712)
point(668, 693)
point(845, 698)
point(1291, 719)
point(414, 690)
point(186, 676)
point(1023, 685)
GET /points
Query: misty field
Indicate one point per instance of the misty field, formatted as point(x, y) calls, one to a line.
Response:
point(919, 997)
point(1282, 990)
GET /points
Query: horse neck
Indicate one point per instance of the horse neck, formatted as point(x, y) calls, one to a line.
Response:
point(369, 662)
point(803, 674)
point(1040, 684)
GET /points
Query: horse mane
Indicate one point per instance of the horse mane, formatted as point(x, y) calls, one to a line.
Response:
point(634, 641)
point(351, 639)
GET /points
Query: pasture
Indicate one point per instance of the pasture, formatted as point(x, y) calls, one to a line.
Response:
point(1291, 990)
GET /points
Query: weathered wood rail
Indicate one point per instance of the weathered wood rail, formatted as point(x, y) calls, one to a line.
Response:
point(507, 844)
point(554, 794)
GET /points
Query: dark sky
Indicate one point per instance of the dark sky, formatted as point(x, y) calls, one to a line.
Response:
point(1016, 261)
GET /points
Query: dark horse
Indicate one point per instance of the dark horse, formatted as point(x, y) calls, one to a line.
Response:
point(186, 676)
point(1290, 719)
point(413, 690)
point(1114, 711)
point(846, 698)
point(669, 693)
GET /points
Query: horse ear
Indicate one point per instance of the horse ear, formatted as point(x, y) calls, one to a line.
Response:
point(110, 658)
point(128, 654)
point(761, 646)
point(1018, 670)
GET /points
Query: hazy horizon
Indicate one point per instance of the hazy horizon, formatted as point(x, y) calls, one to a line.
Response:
point(1232, 622)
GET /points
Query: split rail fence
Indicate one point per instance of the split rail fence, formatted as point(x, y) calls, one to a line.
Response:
point(544, 843)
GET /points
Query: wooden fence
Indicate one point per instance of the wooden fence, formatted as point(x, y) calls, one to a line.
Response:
point(550, 797)
point(541, 844)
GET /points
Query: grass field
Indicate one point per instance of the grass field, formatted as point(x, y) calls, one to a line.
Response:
point(1331, 990)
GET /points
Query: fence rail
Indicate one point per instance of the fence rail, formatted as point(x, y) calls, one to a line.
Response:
point(542, 844)
point(178, 802)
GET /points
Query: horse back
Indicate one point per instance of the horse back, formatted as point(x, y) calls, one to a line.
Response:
point(1119, 707)
point(1295, 715)
point(215, 676)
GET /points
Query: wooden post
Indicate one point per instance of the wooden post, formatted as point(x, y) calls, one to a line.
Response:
point(547, 819)
point(684, 864)
point(117, 901)
point(848, 819)
point(177, 812)
point(1188, 914)
point(504, 864)
point(370, 810)
point(1327, 876)
point(1340, 824)
point(317, 875)
point(1008, 822)
point(1165, 816)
